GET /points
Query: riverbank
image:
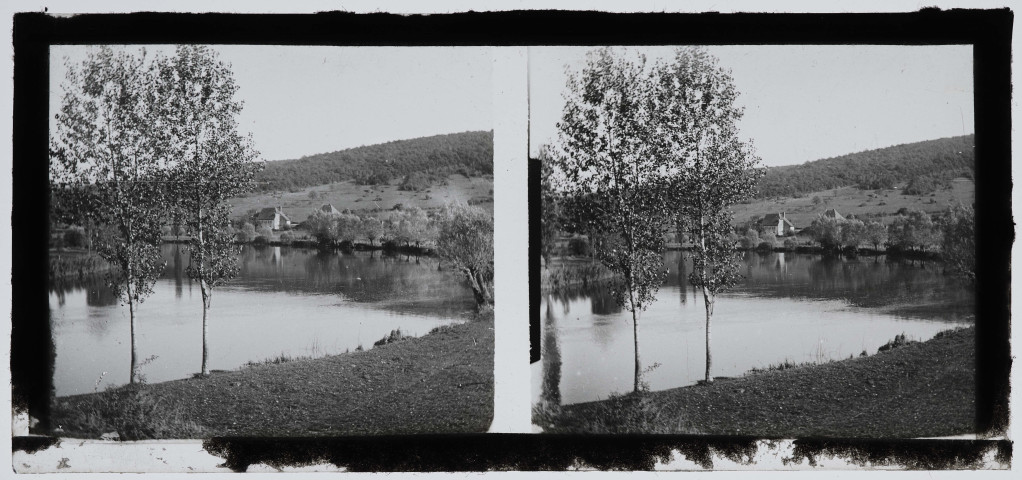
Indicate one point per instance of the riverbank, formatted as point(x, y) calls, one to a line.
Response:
point(922, 389)
point(386, 247)
point(439, 383)
point(818, 250)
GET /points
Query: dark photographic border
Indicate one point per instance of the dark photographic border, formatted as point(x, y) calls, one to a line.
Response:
point(32, 350)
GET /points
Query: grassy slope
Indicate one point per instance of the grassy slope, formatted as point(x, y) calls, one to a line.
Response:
point(850, 200)
point(438, 383)
point(348, 195)
point(918, 390)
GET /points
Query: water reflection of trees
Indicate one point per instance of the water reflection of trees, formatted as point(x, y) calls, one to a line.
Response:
point(600, 295)
point(406, 284)
point(914, 288)
point(367, 277)
point(550, 352)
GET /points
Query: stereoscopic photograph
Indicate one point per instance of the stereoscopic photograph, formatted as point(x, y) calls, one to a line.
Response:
point(767, 241)
point(274, 241)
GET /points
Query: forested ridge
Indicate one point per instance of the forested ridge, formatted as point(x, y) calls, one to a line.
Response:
point(925, 166)
point(470, 153)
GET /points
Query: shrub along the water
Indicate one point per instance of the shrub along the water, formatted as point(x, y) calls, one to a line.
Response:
point(393, 336)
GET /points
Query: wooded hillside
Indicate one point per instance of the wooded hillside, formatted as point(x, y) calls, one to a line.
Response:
point(415, 162)
point(923, 166)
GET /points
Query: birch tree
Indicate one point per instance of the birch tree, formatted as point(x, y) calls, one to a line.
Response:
point(106, 164)
point(606, 166)
point(212, 163)
point(696, 129)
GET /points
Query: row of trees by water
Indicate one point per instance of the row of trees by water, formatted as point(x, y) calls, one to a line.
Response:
point(407, 226)
point(951, 234)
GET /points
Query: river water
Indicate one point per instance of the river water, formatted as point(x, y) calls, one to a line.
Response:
point(789, 307)
point(285, 301)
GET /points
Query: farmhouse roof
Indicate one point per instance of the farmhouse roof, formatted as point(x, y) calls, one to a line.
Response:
point(832, 213)
point(269, 213)
point(329, 208)
point(772, 220)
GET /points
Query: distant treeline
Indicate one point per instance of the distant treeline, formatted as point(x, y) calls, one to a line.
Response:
point(924, 166)
point(416, 162)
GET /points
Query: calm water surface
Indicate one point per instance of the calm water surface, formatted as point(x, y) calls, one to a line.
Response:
point(289, 301)
point(796, 307)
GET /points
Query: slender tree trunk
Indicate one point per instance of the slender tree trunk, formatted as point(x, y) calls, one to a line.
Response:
point(637, 383)
point(707, 296)
point(205, 327)
point(708, 300)
point(638, 364)
point(134, 347)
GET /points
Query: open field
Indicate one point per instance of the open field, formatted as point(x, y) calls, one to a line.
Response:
point(850, 200)
point(438, 383)
point(922, 389)
point(347, 195)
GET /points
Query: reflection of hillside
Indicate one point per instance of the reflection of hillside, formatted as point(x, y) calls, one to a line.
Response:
point(913, 288)
point(97, 292)
point(601, 297)
point(398, 283)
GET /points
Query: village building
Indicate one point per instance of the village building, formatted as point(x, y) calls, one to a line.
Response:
point(272, 218)
point(777, 223)
point(832, 213)
point(329, 208)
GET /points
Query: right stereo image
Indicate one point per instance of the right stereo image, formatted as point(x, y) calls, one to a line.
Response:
point(755, 240)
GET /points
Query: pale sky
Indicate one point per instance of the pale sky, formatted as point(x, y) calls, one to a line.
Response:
point(303, 100)
point(807, 102)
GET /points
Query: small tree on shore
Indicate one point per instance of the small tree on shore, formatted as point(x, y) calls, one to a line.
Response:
point(696, 129)
point(323, 227)
point(106, 160)
point(213, 162)
point(827, 232)
point(876, 234)
point(465, 239)
point(958, 242)
point(613, 182)
point(913, 230)
point(348, 227)
point(853, 233)
point(371, 229)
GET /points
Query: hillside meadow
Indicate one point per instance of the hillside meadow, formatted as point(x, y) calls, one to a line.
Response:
point(298, 205)
point(882, 203)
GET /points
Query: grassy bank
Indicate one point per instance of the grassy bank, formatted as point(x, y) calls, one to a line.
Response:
point(438, 383)
point(917, 390)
